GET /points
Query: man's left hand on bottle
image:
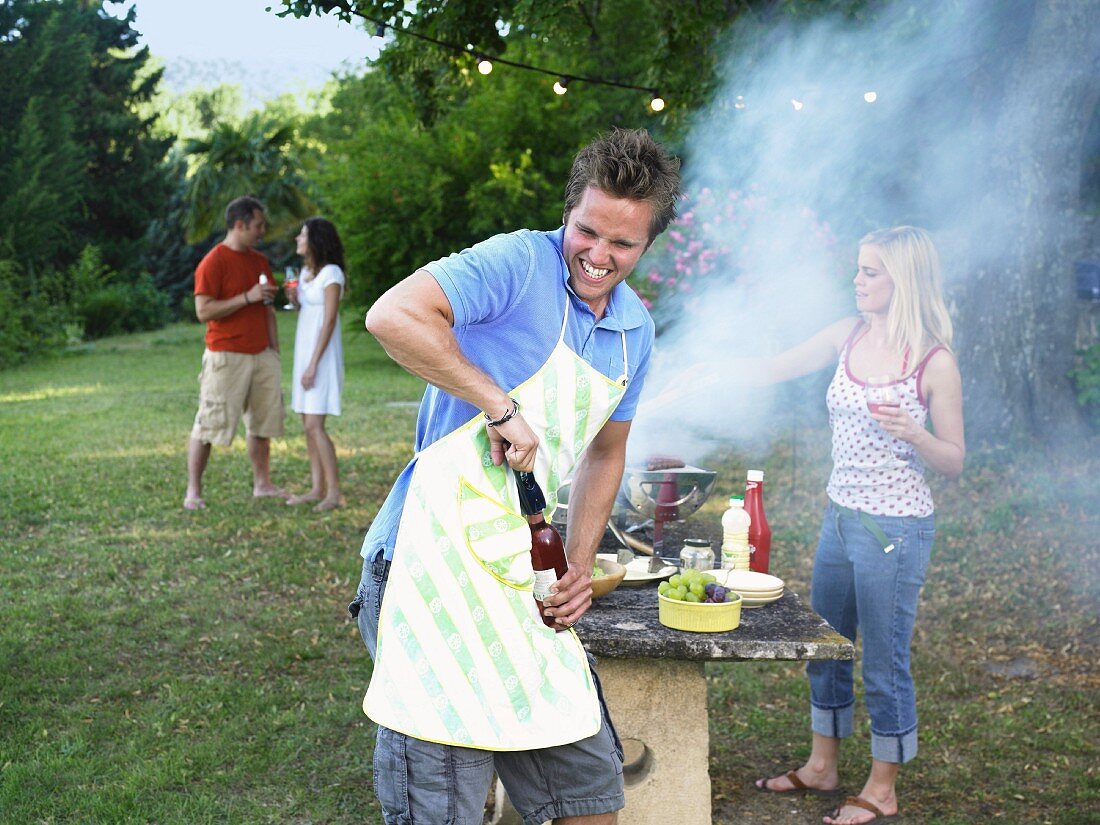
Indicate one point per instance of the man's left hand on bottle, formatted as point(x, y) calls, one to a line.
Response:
point(571, 595)
point(515, 442)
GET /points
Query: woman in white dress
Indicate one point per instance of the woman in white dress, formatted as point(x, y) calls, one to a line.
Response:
point(319, 356)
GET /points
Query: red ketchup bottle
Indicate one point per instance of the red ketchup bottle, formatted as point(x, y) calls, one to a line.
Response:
point(760, 534)
point(547, 551)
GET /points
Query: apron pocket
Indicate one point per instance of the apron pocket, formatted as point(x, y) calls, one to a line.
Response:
point(499, 538)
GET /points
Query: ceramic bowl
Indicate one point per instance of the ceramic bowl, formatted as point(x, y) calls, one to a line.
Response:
point(613, 573)
point(699, 617)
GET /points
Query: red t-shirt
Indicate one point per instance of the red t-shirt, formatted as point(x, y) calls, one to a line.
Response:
point(222, 274)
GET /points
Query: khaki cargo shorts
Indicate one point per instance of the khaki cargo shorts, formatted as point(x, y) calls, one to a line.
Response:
point(232, 384)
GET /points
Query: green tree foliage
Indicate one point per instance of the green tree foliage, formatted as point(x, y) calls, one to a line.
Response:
point(80, 171)
point(127, 184)
point(41, 186)
point(671, 44)
point(495, 159)
point(668, 45)
point(425, 156)
point(168, 256)
point(257, 155)
point(80, 165)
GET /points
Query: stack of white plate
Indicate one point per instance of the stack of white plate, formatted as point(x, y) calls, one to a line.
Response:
point(755, 589)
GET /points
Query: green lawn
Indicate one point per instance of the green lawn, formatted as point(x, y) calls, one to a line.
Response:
point(158, 665)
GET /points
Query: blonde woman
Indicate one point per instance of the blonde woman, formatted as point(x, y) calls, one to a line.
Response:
point(876, 538)
point(318, 356)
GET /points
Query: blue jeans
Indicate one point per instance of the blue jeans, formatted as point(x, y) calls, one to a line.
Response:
point(424, 782)
point(858, 586)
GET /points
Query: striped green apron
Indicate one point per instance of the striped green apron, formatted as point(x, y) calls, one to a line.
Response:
point(463, 657)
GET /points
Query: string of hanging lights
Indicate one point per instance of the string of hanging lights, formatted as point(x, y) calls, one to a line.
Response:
point(486, 62)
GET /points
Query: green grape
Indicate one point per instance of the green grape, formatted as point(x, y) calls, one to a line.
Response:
point(691, 597)
point(697, 588)
point(678, 593)
point(708, 578)
point(674, 581)
point(663, 588)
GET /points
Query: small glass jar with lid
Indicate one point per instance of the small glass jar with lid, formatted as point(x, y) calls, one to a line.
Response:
point(696, 554)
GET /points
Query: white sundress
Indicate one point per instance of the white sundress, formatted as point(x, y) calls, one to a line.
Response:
point(324, 397)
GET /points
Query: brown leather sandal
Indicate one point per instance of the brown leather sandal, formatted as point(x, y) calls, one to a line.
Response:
point(798, 786)
point(860, 802)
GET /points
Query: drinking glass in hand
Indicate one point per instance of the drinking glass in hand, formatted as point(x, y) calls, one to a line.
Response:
point(291, 282)
point(882, 396)
point(263, 282)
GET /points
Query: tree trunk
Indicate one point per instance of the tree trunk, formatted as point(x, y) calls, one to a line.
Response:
point(1017, 340)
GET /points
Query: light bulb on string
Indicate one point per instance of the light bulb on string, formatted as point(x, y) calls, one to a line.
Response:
point(657, 103)
point(870, 97)
point(561, 85)
point(797, 104)
point(484, 64)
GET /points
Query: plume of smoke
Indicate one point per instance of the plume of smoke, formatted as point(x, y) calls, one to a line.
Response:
point(869, 125)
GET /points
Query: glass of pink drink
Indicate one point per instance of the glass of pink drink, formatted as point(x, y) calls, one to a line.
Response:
point(882, 396)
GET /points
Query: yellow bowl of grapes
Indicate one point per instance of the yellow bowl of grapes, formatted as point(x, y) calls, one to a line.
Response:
point(695, 602)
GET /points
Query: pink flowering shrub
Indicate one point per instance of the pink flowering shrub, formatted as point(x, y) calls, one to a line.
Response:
point(719, 234)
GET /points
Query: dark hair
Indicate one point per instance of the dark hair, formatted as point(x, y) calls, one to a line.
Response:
point(628, 163)
point(323, 243)
point(241, 209)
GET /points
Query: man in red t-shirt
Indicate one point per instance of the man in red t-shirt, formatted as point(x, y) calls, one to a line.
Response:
point(241, 373)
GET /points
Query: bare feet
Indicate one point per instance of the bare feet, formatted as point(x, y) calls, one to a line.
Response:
point(303, 498)
point(329, 504)
point(859, 810)
point(269, 491)
point(193, 503)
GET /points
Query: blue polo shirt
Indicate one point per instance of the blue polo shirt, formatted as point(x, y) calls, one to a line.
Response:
point(508, 295)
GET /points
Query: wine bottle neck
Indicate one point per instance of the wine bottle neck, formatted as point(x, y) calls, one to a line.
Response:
point(531, 498)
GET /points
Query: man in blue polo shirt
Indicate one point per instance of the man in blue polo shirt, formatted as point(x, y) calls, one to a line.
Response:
point(475, 325)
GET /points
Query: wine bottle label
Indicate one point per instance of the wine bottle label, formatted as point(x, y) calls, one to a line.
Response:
point(544, 579)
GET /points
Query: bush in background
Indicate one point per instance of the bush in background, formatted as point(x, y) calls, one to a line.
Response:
point(105, 305)
point(32, 321)
point(1086, 380)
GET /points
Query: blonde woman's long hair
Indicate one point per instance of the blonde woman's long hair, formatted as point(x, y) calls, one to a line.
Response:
point(917, 319)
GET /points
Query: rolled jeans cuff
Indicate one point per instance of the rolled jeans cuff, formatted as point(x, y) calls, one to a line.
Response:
point(834, 722)
point(896, 748)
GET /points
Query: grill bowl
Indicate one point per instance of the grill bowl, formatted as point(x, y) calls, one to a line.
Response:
point(669, 494)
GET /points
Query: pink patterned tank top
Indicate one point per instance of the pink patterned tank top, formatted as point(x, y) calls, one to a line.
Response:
point(873, 471)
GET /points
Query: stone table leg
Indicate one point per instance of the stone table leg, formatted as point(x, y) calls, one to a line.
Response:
point(659, 707)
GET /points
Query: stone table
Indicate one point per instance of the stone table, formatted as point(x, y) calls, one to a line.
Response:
point(654, 684)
